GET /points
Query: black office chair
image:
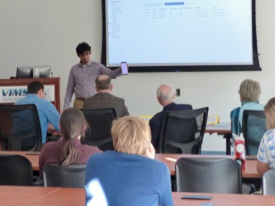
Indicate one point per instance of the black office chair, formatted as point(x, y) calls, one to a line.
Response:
point(69, 176)
point(253, 128)
point(269, 182)
point(15, 170)
point(100, 122)
point(209, 175)
point(182, 131)
point(20, 128)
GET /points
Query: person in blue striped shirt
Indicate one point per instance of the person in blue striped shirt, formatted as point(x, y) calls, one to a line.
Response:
point(266, 152)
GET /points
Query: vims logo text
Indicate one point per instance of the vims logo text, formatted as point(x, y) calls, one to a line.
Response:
point(14, 92)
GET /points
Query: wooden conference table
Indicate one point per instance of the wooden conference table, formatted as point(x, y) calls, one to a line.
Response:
point(222, 129)
point(32, 156)
point(44, 196)
point(225, 200)
point(48, 196)
point(169, 159)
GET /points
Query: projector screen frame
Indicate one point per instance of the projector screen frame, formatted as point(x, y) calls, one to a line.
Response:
point(187, 68)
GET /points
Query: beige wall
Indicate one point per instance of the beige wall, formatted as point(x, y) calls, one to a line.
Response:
point(46, 32)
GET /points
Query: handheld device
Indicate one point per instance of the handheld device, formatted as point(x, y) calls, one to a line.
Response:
point(124, 67)
point(197, 197)
point(207, 204)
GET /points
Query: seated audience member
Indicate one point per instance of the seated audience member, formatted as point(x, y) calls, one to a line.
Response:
point(165, 96)
point(249, 91)
point(266, 152)
point(129, 175)
point(104, 98)
point(46, 111)
point(69, 150)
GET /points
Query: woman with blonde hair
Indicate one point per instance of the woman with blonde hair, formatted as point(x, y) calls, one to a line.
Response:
point(129, 175)
point(266, 152)
point(249, 94)
point(69, 150)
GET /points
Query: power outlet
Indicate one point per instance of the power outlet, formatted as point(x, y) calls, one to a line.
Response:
point(177, 92)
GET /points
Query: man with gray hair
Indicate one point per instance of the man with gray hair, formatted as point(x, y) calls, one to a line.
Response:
point(165, 96)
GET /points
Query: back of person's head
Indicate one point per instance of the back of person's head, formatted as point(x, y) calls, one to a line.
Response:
point(165, 93)
point(131, 135)
point(250, 91)
point(34, 87)
point(73, 125)
point(103, 82)
point(82, 48)
point(269, 111)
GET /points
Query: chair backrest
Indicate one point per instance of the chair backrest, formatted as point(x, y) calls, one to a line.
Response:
point(15, 170)
point(235, 124)
point(183, 131)
point(209, 175)
point(20, 128)
point(69, 176)
point(100, 122)
point(253, 128)
point(268, 180)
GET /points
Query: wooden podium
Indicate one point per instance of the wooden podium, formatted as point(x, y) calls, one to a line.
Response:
point(14, 89)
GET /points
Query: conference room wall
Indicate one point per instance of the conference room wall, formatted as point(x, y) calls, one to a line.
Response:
point(46, 33)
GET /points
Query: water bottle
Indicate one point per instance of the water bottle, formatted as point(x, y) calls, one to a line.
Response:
point(240, 150)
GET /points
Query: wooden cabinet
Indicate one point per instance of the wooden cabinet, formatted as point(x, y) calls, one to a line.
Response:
point(13, 89)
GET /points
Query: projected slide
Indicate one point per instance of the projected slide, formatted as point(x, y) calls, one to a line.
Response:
point(179, 32)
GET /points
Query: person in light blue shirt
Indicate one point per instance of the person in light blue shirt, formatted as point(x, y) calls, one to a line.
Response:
point(46, 111)
point(130, 175)
point(249, 91)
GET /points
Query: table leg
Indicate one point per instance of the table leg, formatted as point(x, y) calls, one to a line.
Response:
point(228, 146)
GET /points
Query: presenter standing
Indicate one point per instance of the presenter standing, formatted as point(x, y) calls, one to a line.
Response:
point(82, 77)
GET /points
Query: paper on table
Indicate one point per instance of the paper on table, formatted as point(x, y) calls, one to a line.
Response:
point(213, 119)
point(221, 125)
point(146, 117)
